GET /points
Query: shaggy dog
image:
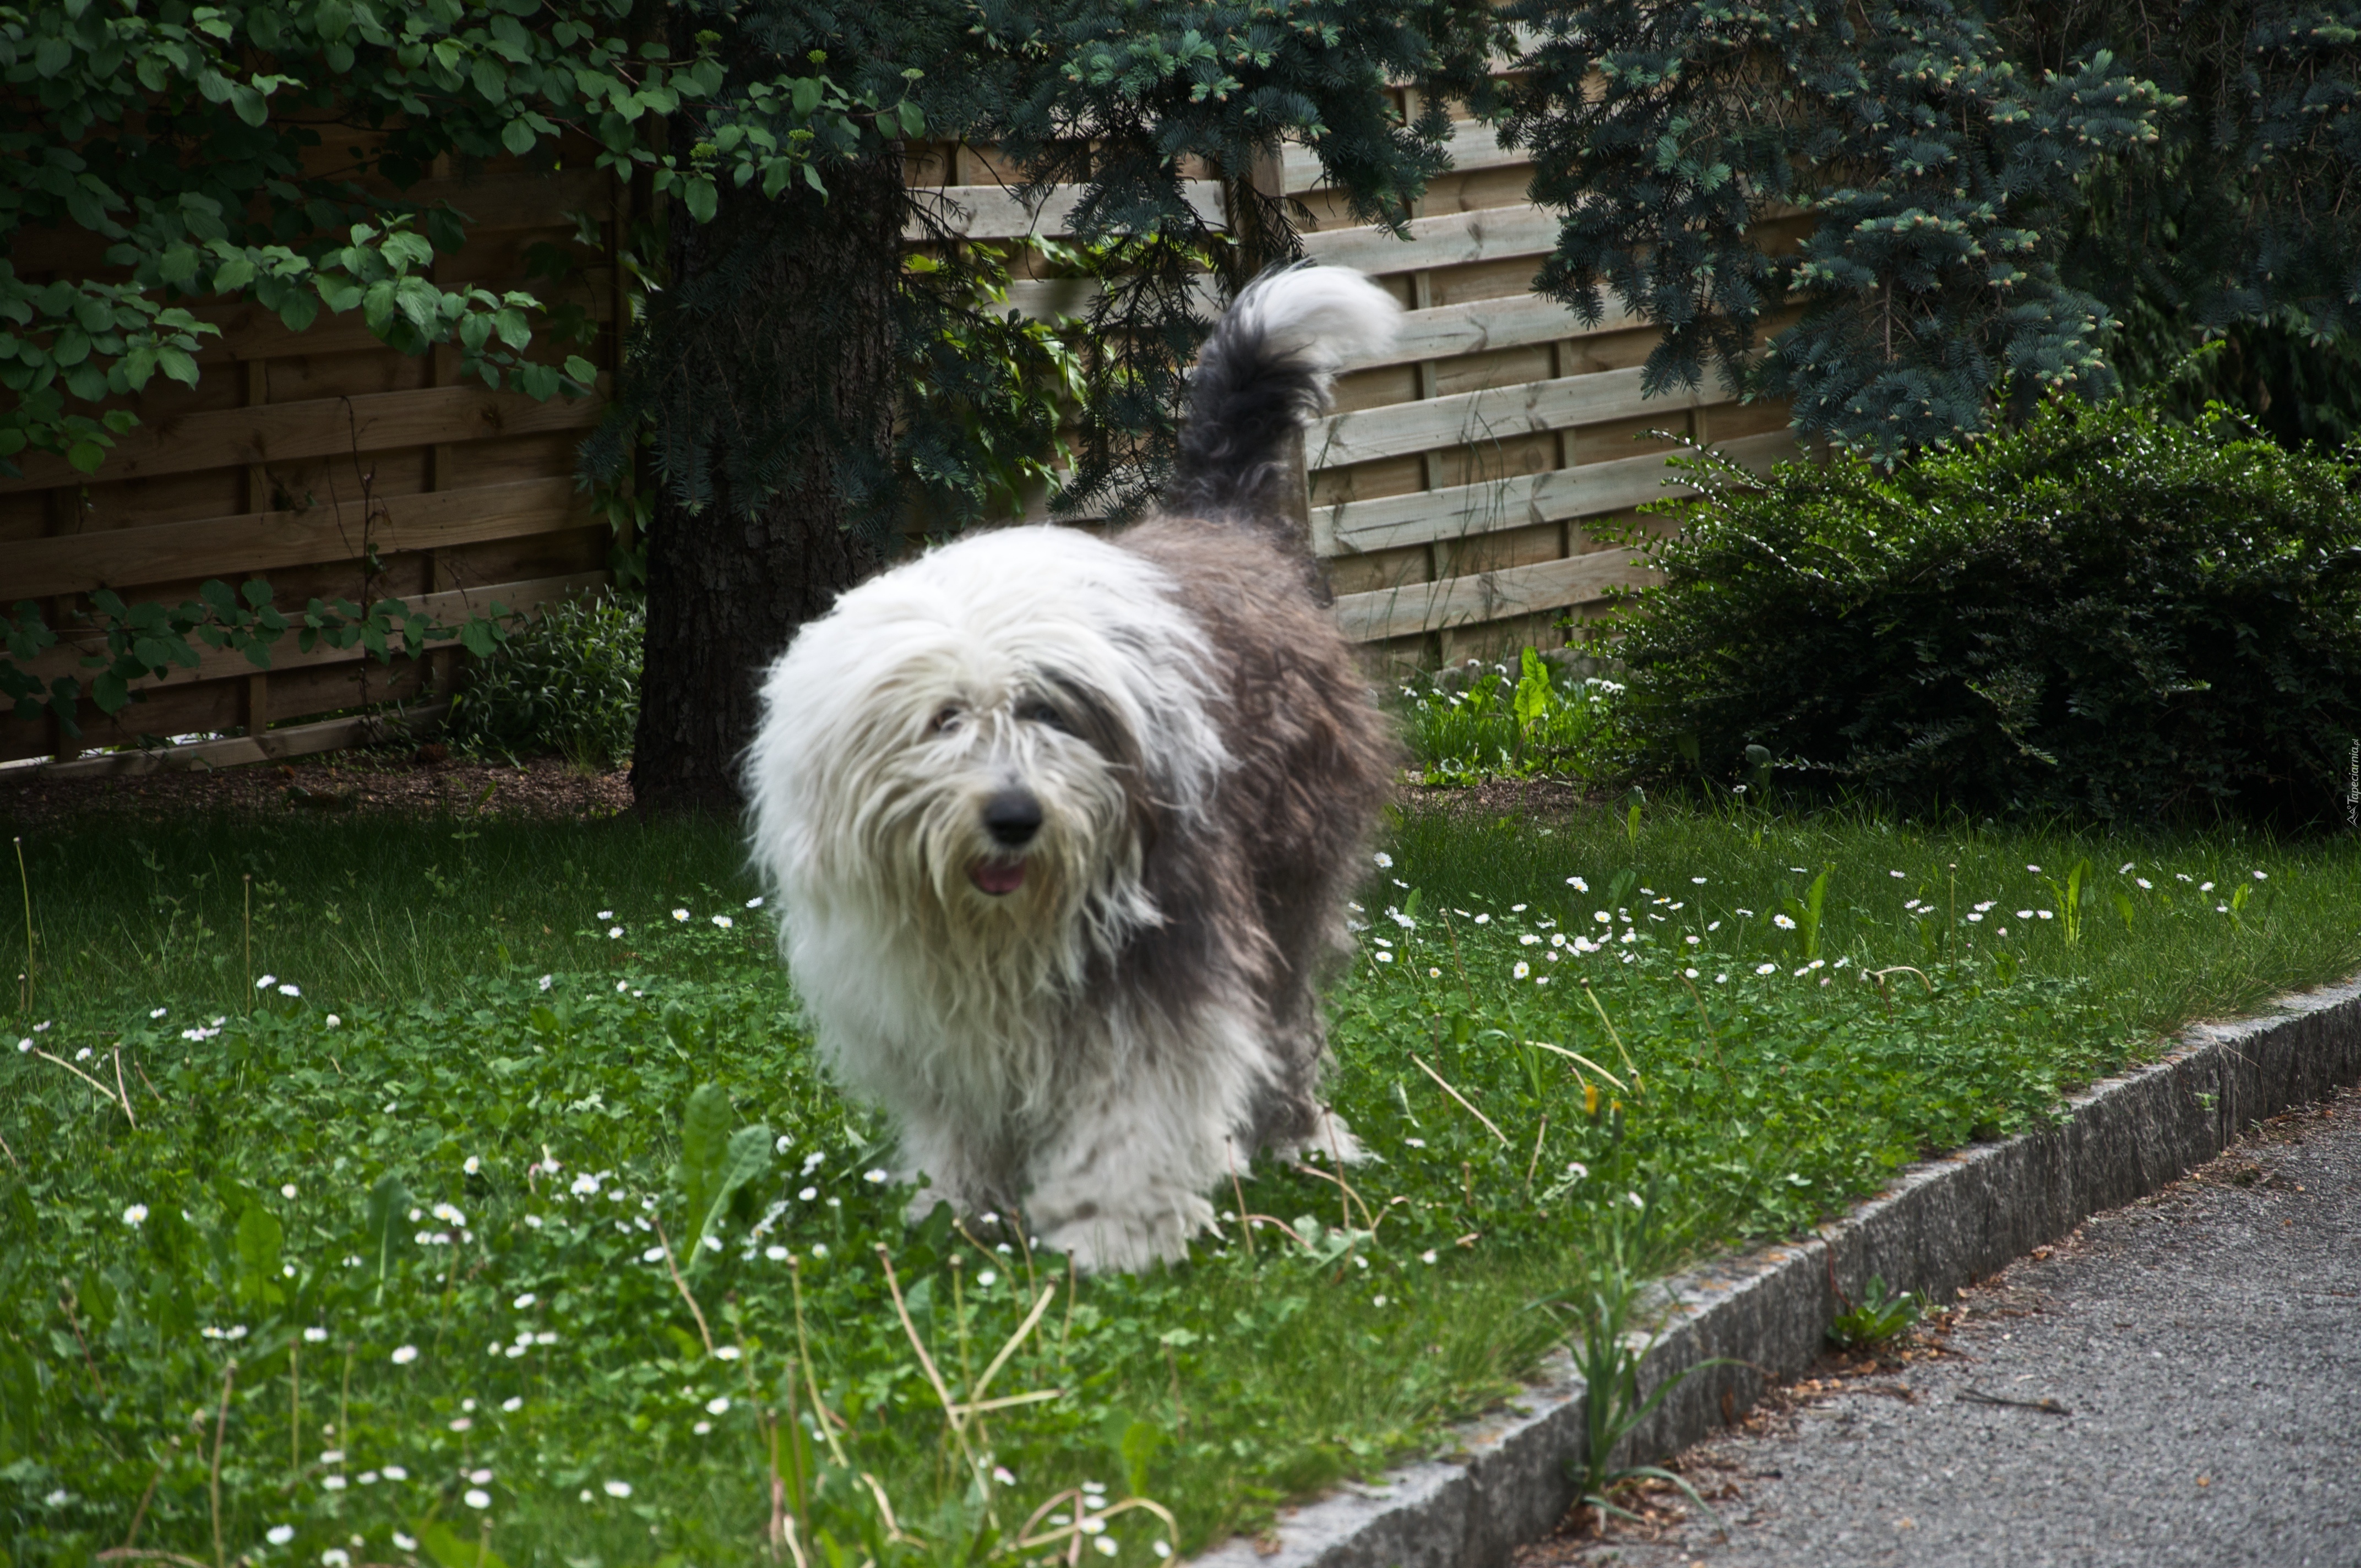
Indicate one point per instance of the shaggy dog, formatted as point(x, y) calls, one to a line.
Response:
point(1062, 826)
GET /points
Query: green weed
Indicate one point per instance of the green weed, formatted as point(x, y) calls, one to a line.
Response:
point(1480, 722)
point(1876, 1318)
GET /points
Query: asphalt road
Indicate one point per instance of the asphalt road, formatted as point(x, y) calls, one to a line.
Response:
point(2206, 1341)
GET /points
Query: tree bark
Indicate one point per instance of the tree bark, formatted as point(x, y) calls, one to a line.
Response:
point(783, 329)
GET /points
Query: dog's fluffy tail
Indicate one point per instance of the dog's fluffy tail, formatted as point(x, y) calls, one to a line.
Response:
point(1262, 376)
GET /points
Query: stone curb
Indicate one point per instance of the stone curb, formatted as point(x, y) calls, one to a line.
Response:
point(1941, 1225)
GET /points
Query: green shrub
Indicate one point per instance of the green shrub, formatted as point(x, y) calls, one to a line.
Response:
point(1475, 721)
point(2106, 614)
point(567, 682)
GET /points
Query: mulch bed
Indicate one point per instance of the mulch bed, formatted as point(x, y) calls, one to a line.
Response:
point(409, 782)
point(1503, 798)
point(432, 781)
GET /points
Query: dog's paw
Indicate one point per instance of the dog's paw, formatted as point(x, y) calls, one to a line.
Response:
point(1333, 1138)
point(1102, 1241)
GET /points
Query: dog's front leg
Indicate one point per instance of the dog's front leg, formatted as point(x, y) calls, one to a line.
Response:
point(940, 1151)
point(1123, 1184)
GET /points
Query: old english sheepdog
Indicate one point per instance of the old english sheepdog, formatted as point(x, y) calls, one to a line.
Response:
point(1062, 826)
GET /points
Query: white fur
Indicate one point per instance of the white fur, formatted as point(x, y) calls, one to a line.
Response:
point(1325, 317)
point(943, 1002)
point(1018, 1067)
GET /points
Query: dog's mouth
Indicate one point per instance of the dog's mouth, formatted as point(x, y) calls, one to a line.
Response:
point(997, 877)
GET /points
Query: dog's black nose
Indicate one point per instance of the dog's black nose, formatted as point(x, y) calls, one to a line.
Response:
point(1011, 818)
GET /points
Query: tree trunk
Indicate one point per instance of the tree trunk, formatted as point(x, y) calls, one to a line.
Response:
point(781, 331)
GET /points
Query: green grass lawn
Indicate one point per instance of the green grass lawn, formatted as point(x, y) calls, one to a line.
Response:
point(387, 1269)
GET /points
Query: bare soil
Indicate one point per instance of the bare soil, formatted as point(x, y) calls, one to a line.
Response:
point(430, 780)
point(1545, 798)
point(425, 782)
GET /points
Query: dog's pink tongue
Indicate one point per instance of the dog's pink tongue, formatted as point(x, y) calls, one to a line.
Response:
point(997, 877)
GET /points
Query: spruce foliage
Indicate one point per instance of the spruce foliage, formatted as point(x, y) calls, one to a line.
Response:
point(1994, 191)
point(1128, 103)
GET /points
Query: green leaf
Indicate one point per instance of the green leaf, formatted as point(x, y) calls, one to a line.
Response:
point(111, 693)
point(447, 1548)
point(259, 1238)
point(517, 137)
point(747, 1161)
point(477, 637)
point(913, 119)
point(701, 199)
point(1137, 1447)
point(704, 1145)
point(386, 1221)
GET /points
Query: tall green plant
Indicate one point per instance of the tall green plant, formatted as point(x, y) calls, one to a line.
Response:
point(1611, 1347)
point(566, 681)
point(2104, 614)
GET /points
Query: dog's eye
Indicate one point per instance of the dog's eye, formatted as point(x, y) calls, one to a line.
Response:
point(1039, 712)
point(944, 721)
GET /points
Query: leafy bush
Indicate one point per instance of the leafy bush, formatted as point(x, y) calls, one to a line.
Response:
point(2104, 614)
point(566, 682)
point(1475, 721)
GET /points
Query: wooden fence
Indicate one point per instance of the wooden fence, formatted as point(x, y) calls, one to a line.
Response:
point(1458, 491)
point(337, 468)
point(1461, 489)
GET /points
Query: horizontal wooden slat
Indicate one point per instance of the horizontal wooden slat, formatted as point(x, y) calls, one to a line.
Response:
point(1441, 333)
point(261, 542)
point(216, 664)
point(499, 202)
point(514, 199)
point(294, 740)
point(992, 212)
point(322, 427)
point(1048, 298)
point(1452, 240)
point(1466, 419)
point(1417, 607)
point(1423, 517)
point(1472, 145)
point(250, 332)
point(1480, 326)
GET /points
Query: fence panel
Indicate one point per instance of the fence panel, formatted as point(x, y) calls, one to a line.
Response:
point(1462, 491)
point(335, 466)
point(1465, 488)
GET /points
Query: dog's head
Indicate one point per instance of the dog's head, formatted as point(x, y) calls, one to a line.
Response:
point(982, 743)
